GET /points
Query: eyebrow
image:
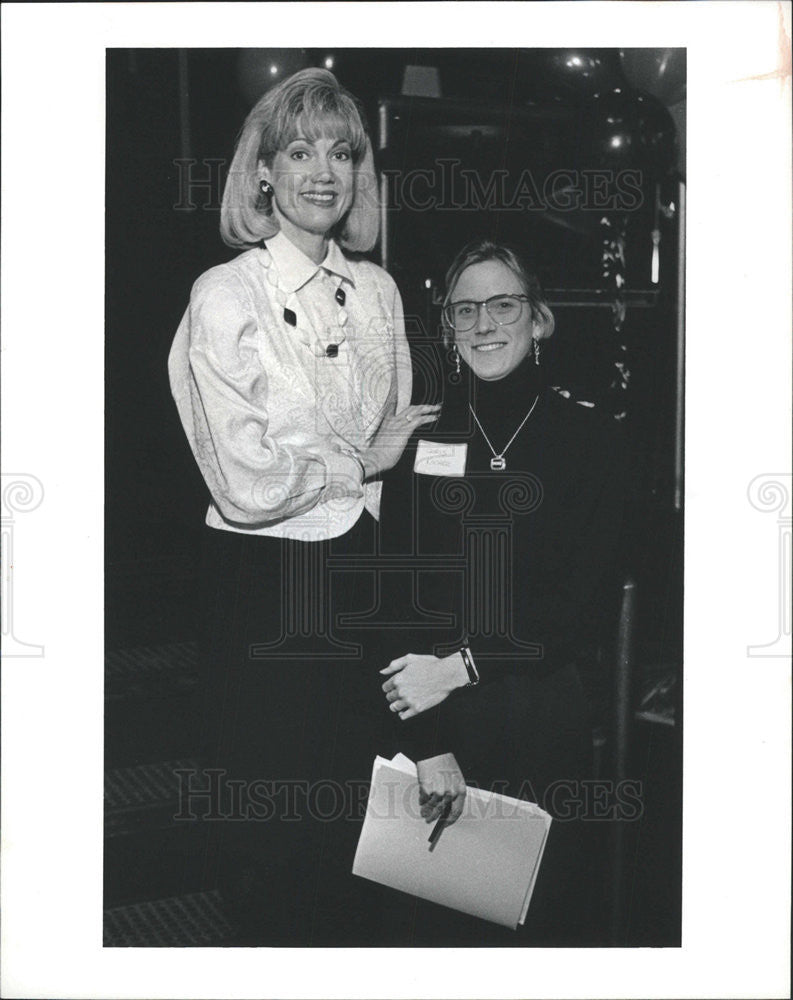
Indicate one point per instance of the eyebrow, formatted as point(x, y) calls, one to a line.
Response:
point(496, 295)
point(300, 138)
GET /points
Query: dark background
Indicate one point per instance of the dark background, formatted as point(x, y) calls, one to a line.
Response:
point(173, 114)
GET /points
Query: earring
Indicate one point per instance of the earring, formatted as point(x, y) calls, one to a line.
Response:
point(536, 342)
point(265, 202)
point(456, 359)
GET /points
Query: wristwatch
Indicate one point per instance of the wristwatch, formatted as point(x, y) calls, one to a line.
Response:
point(470, 666)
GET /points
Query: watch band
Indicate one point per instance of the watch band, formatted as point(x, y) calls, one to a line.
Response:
point(470, 666)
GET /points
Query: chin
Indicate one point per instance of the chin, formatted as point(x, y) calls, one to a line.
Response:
point(492, 372)
point(319, 225)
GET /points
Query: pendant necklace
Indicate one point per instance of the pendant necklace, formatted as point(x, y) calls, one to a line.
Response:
point(498, 463)
point(319, 347)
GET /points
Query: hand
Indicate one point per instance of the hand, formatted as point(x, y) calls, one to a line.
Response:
point(441, 782)
point(416, 683)
point(386, 447)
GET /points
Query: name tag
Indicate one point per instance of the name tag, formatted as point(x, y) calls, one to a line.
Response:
point(433, 458)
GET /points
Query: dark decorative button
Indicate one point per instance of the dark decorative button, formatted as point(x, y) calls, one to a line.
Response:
point(332, 350)
point(341, 298)
point(290, 317)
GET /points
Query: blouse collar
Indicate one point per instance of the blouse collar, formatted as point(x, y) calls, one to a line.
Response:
point(295, 269)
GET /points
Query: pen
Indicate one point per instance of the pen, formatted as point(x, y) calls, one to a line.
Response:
point(437, 830)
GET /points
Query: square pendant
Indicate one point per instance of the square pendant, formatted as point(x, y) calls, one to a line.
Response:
point(340, 297)
point(290, 317)
point(498, 463)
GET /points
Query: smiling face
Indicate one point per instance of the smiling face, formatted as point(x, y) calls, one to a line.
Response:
point(492, 351)
point(314, 186)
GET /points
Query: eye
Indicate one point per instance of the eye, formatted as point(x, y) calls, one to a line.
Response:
point(299, 154)
point(463, 309)
point(343, 155)
point(503, 304)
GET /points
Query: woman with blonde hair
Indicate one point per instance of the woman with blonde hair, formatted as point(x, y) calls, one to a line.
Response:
point(291, 374)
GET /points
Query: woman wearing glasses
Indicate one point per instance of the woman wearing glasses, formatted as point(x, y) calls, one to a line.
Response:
point(514, 497)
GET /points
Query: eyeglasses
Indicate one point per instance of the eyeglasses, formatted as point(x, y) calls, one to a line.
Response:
point(502, 309)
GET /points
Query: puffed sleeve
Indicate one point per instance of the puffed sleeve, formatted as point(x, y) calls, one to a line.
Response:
point(221, 390)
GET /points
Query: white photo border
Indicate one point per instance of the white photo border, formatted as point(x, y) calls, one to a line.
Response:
point(736, 917)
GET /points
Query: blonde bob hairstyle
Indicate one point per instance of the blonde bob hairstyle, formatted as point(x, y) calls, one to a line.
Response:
point(482, 250)
point(310, 103)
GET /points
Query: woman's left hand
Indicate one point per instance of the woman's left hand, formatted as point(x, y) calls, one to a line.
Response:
point(419, 682)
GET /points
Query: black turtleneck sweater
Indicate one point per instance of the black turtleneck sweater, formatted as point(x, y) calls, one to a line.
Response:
point(514, 558)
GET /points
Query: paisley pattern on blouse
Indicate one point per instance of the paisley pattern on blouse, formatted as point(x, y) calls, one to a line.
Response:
point(267, 409)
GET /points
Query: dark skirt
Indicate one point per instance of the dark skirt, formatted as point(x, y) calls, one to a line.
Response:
point(292, 718)
point(531, 739)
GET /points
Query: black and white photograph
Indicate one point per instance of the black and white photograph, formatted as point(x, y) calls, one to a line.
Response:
point(399, 469)
point(397, 572)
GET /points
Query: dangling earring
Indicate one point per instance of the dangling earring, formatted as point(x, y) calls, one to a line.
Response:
point(266, 198)
point(456, 359)
point(536, 343)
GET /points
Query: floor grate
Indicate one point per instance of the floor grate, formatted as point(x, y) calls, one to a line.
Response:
point(196, 920)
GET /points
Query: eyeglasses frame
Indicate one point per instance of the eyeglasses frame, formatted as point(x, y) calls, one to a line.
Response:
point(484, 302)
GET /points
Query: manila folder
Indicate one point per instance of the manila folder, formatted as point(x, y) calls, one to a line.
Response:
point(485, 864)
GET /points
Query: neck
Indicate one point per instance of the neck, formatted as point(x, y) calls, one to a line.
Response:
point(313, 245)
point(512, 394)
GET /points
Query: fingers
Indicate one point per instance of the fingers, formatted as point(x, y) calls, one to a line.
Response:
point(427, 417)
point(395, 665)
point(433, 807)
point(458, 802)
point(417, 408)
point(449, 805)
point(424, 420)
point(421, 413)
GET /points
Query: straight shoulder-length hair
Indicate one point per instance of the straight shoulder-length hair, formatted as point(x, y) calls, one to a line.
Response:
point(312, 103)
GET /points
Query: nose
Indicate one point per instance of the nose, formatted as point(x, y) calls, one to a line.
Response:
point(484, 321)
point(324, 169)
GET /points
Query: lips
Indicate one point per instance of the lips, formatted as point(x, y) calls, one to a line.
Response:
point(322, 198)
point(495, 345)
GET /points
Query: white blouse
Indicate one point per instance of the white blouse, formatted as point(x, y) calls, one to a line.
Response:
point(268, 409)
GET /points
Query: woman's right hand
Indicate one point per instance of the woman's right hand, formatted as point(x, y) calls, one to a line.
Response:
point(386, 447)
point(441, 782)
